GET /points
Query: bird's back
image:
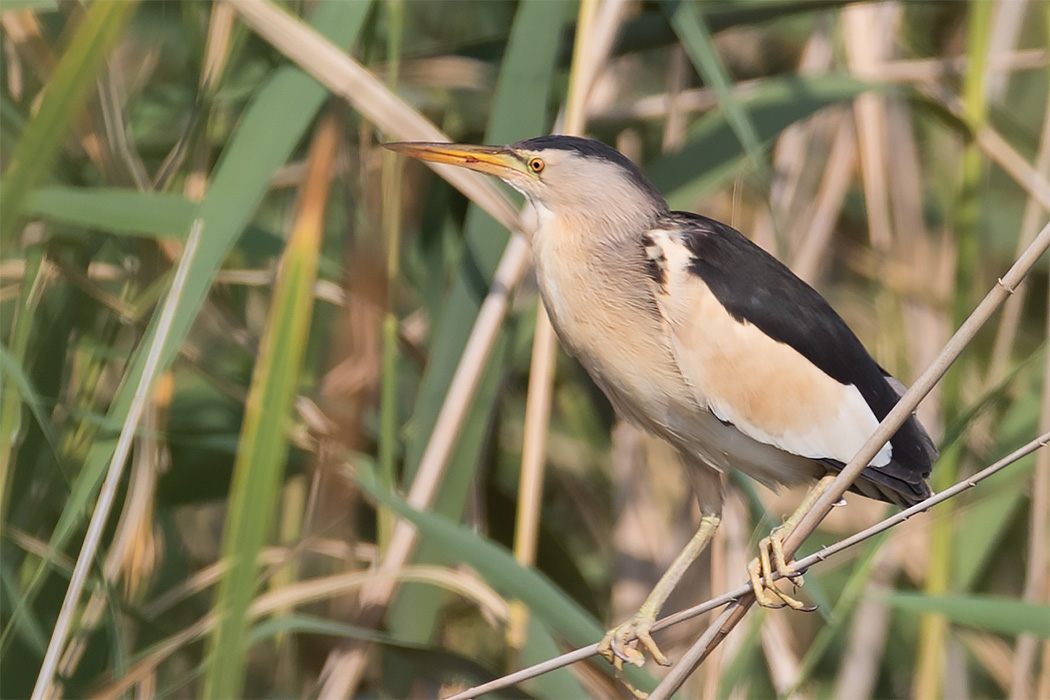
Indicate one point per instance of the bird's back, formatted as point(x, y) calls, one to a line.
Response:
point(774, 360)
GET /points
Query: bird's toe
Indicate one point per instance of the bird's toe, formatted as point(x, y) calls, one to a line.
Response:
point(762, 571)
point(622, 641)
point(620, 645)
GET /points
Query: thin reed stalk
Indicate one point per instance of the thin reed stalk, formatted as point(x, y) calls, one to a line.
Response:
point(45, 679)
point(734, 596)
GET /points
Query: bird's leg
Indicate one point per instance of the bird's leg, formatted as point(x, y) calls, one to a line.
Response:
point(771, 555)
point(616, 645)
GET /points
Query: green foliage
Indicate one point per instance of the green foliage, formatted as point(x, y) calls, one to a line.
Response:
point(250, 513)
point(73, 77)
point(999, 615)
point(114, 210)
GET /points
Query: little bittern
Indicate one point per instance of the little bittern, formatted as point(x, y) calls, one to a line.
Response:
point(698, 336)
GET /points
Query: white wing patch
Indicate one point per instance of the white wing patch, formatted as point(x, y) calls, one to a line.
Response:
point(766, 389)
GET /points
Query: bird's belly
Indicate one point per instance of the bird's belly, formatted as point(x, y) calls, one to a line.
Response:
point(621, 342)
point(627, 357)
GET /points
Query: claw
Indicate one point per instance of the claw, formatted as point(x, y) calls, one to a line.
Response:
point(760, 571)
point(621, 642)
point(616, 652)
point(620, 645)
point(754, 571)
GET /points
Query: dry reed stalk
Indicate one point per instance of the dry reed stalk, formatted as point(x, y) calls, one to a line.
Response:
point(605, 25)
point(324, 290)
point(733, 597)
point(1029, 178)
point(1007, 21)
point(304, 592)
point(533, 460)
point(38, 548)
point(133, 547)
point(789, 160)
point(930, 69)
point(144, 669)
point(733, 534)
point(348, 79)
point(817, 222)
point(1034, 182)
point(675, 124)
point(269, 557)
point(216, 54)
point(1011, 321)
point(1037, 573)
point(869, 37)
point(924, 70)
point(681, 671)
point(778, 645)
point(583, 72)
point(217, 48)
point(792, 162)
point(899, 70)
point(45, 685)
point(994, 654)
point(865, 647)
point(638, 526)
point(1043, 687)
point(928, 268)
point(862, 659)
point(869, 34)
point(922, 386)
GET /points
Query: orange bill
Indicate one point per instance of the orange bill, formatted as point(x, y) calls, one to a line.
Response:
point(491, 160)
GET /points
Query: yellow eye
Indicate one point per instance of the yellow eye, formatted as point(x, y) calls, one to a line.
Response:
point(536, 165)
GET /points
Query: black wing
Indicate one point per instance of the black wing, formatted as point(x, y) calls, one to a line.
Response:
point(757, 288)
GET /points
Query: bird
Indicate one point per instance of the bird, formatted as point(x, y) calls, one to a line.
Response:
point(698, 336)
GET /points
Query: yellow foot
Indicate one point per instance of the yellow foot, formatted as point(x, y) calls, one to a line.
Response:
point(620, 644)
point(770, 559)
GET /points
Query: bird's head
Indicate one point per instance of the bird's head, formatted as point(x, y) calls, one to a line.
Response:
point(571, 178)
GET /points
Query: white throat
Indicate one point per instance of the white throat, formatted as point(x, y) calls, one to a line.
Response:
point(534, 218)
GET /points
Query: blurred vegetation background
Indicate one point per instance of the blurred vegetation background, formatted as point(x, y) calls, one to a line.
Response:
point(224, 307)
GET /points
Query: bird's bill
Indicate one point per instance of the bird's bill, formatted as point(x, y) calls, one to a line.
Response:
point(491, 160)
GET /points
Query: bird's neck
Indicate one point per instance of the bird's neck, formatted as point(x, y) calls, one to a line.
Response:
point(595, 231)
point(591, 256)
